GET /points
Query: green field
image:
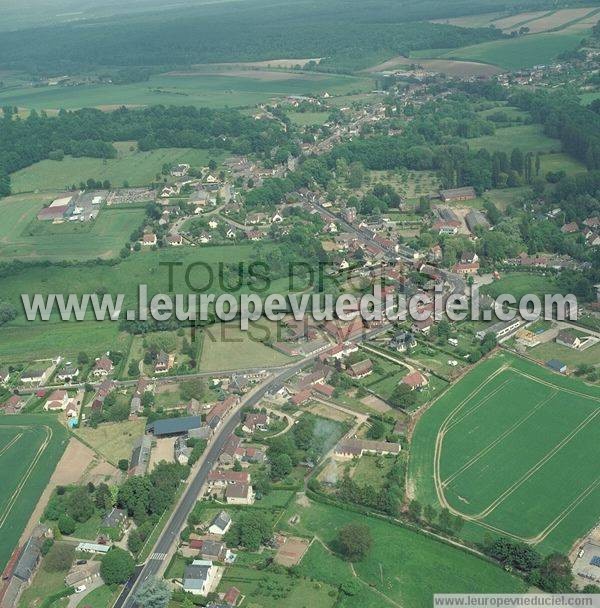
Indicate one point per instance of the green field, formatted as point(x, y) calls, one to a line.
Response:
point(509, 433)
point(238, 88)
point(519, 284)
point(30, 447)
point(529, 138)
point(560, 162)
point(302, 119)
point(522, 52)
point(226, 346)
point(136, 168)
point(403, 568)
point(23, 237)
point(571, 356)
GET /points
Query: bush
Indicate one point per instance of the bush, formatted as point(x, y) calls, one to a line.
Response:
point(117, 566)
point(59, 558)
point(66, 524)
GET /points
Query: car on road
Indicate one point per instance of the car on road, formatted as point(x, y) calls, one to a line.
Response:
point(80, 589)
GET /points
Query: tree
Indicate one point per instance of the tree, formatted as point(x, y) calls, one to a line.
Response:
point(192, 389)
point(117, 566)
point(402, 397)
point(66, 524)
point(251, 530)
point(554, 574)
point(7, 312)
point(154, 593)
point(123, 464)
point(103, 497)
point(79, 504)
point(355, 541)
point(414, 510)
point(350, 587)
point(376, 430)
point(281, 466)
point(83, 358)
point(59, 558)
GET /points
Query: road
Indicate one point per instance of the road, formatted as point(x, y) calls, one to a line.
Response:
point(170, 534)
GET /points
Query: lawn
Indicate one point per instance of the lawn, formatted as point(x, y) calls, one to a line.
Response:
point(26, 238)
point(43, 584)
point(303, 119)
point(560, 162)
point(225, 346)
point(113, 440)
point(571, 356)
point(30, 447)
point(507, 433)
point(136, 168)
point(202, 89)
point(529, 138)
point(518, 284)
point(372, 471)
point(521, 52)
point(403, 566)
point(100, 597)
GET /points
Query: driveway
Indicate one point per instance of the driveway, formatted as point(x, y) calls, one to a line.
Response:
point(77, 598)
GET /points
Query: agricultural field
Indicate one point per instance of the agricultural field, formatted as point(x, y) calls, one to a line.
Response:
point(426, 566)
point(509, 432)
point(131, 166)
point(521, 52)
point(30, 447)
point(529, 138)
point(226, 346)
point(571, 356)
point(240, 88)
point(428, 61)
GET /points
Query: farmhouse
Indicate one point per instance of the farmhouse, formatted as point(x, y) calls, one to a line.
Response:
point(181, 450)
point(569, 339)
point(57, 401)
point(221, 478)
point(355, 448)
point(180, 170)
point(164, 362)
point(140, 456)
point(175, 240)
point(301, 397)
point(68, 373)
point(361, 369)
point(458, 194)
point(239, 494)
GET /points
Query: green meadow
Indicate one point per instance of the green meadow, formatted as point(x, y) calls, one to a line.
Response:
point(240, 88)
point(131, 166)
point(529, 138)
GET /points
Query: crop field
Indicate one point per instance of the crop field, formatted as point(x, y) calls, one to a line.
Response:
point(206, 89)
point(521, 52)
point(225, 346)
point(513, 449)
point(30, 447)
point(529, 138)
point(429, 62)
point(426, 566)
point(25, 238)
point(136, 168)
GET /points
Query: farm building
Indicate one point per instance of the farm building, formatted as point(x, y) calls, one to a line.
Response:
point(568, 339)
point(475, 219)
point(360, 369)
point(557, 366)
point(171, 427)
point(351, 448)
point(140, 456)
point(57, 210)
point(458, 194)
point(501, 329)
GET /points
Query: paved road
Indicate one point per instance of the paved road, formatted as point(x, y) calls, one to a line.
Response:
point(170, 534)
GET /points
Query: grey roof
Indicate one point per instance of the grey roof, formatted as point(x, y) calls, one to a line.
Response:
point(114, 518)
point(222, 520)
point(195, 576)
point(175, 426)
point(555, 364)
point(28, 560)
point(212, 548)
point(140, 455)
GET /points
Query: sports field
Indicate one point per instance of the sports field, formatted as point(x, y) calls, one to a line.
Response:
point(136, 168)
point(241, 88)
point(513, 449)
point(30, 447)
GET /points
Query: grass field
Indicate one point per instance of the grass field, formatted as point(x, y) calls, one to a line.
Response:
point(30, 447)
point(23, 237)
point(112, 440)
point(519, 284)
point(372, 471)
point(522, 52)
point(308, 118)
point(507, 434)
point(560, 162)
point(403, 568)
point(529, 138)
point(571, 356)
point(207, 89)
point(226, 346)
point(136, 168)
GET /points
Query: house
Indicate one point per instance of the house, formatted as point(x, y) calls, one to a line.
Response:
point(239, 494)
point(569, 339)
point(220, 524)
point(231, 233)
point(149, 239)
point(415, 380)
point(361, 369)
point(57, 401)
point(277, 218)
point(198, 577)
point(164, 362)
point(326, 390)
point(254, 235)
point(213, 550)
point(115, 518)
point(570, 228)
point(171, 427)
point(31, 376)
point(140, 456)
point(175, 240)
point(68, 373)
point(102, 367)
point(557, 366)
point(136, 408)
point(402, 341)
point(469, 257)
point(13, 405)
point(254, 455)
point(205, 237)
point(181, 450)
point(300, 398)
point(256, 422)
point(256, 218)
point(466, 268)
point(180, 170)
point(229, 453)
point(423, 326)
point(458, 194)
point(355, 448)
point(220, 478)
